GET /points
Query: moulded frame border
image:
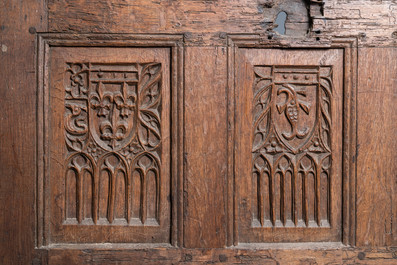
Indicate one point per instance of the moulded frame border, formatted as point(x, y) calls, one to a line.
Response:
point(44, 42)
point(349, 132)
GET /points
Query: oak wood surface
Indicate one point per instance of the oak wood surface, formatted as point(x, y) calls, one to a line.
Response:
point(205, 145)
point(115, 111)
point(205, 212)
point(372, 21)
point(19, 20)
point(270, 255)
point(377, 148)
point(279, 202)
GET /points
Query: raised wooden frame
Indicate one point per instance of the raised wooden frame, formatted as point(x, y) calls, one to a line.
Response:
point(45, 42)
point(349, 46)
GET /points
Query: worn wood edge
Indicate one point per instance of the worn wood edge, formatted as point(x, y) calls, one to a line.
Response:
point(181, 142)
point(236, 196)
point(44, 43)
point(46, 147)
point(109, 246)
point(325, 19)
point(256, 40)
point(263, 41)
point(230, 148)
point(42, 144)
point(174, 138)
point(352, 158)
point(165, 255)
point(117, 39)
point(354, 137)
point(161, 246)
point(349, 167)
point(249, 247)
point(39, 142)
point(232, 193)
point(301, 245)
point(182, 185)
point(177, 144)
point(248, 40)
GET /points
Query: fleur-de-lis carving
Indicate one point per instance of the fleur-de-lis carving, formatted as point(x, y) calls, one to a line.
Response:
point(113, 108)
point(113, 137)
point(291, 108)
point(113, 132)
point(125, 103)
point(102, 101)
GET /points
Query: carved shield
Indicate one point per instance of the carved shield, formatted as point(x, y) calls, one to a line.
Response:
point(295, 105)
point(292, 108)
point(300, 105)
point(112, 105)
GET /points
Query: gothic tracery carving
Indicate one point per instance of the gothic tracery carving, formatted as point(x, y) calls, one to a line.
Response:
point(291, 149)
point(112, 123)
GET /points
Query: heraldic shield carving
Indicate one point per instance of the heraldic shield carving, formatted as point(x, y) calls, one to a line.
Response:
point(291, 150)
point(292, 109)
point(113, 140)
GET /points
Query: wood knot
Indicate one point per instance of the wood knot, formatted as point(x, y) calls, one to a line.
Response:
point(222, 258)
point(187, 258)
point(32, 30)
point(361, 255)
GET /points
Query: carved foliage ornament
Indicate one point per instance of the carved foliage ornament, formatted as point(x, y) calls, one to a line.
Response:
point(291, 144)
point(112, 133)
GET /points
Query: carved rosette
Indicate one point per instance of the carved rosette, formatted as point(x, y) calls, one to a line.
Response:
point(113, 122)
point(291, 145)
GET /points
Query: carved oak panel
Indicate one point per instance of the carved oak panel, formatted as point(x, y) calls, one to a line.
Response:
point(109, 145)
point(291, 146)
point(288, 144)
point(113, 139)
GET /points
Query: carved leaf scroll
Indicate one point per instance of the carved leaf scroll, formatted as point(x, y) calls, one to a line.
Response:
point(291, 149)
point(112, 129)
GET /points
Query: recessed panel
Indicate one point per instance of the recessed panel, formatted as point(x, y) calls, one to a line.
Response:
point(109, 148)
point(289, 146)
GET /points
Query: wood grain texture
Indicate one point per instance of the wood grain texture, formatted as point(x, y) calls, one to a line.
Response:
point(286, 255)
point(277, 178)
point(377, 145)
point(17, 130)
point(62, 85)
point(372, 21)
point(209, 129)
point(172, 16)
point(205, 147)
point(110, 126)
point(349, 102)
